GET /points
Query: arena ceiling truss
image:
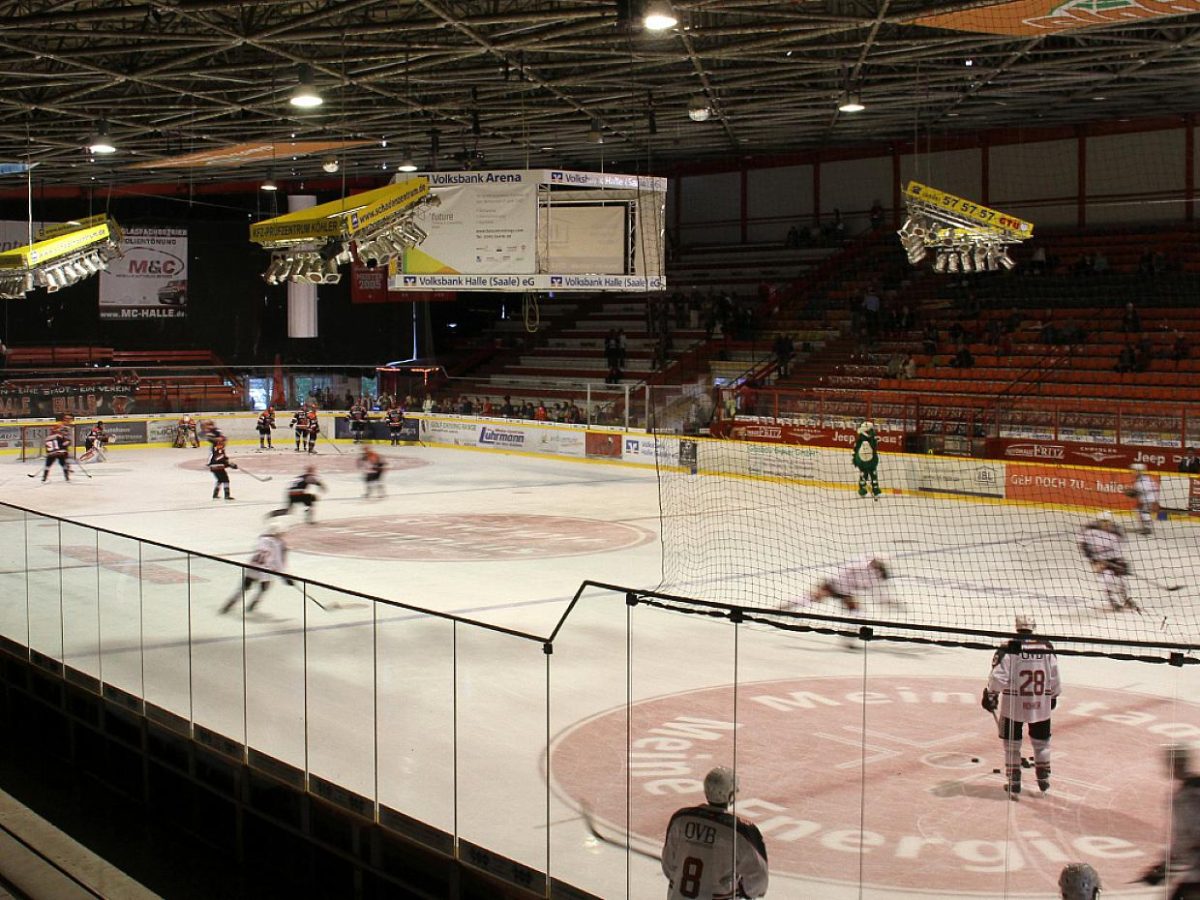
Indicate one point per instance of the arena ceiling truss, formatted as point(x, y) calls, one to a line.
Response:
point(513, 83)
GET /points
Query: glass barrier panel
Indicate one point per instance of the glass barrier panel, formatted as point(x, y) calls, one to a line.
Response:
point(501, 789)
point(588, 719)
point(339, 667)
point(122, 635)
point(415, 711)
point(45, 586)
point(222, 624)
point(166, 628)
point(683, 724)
point(81, 598)
point(14, 610)
point(274, 652)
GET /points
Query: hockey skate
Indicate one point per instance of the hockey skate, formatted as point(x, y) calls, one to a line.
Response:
point(1013, 787)
point(1043, 778)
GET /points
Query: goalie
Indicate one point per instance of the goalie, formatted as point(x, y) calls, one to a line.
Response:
point(866, 459)
point(1102, 542)
point(185, 433)
point(94, 443)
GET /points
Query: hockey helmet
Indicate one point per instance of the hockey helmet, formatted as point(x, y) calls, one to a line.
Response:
point(219, 441)
point(1179, 760)
point(881, 563)
point(1105, 516)
point(1079, 881)
point(273, 528)
point(720, 784)
point(1024, 622)
point(1138, 467)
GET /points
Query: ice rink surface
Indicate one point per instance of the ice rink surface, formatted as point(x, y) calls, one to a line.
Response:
point(872, 766)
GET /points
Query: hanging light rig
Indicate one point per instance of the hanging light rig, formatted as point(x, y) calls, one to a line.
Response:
point(963, 236)
point(60, 256)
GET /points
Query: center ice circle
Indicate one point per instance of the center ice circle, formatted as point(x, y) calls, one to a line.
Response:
point(934, 820)
point(465, 537)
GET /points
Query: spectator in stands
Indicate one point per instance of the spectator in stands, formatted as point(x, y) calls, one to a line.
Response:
point(507, 410)
point(747, 398)
point(909, 369)
point(1131, 322)
point(610, 349)
point(1085, 265)
point(540, 413)
point(1143, 354)
point(793, 238)
point(870, 305)
point(1037, 262)
point(784, 349)
point(895, 365)
point(486, 408)
point(835, 228)
point(931, 338)
point(962, 357)
point(1125, 359)
point(1190, 464)
point(1100, 263)
point(4, 351)
point(1180, 349)
point(622, 348)
point(907, 319)
point(956, 331)
point(993, 332)
point(876, 215)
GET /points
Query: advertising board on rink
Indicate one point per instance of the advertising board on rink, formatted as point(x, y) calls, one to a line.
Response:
point(1075, 485)
point(813, 435)
point(1117, 456)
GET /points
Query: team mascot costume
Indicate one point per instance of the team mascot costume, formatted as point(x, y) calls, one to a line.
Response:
point(866, 459)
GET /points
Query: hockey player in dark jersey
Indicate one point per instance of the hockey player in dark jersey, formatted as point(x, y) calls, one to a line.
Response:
point(58, 448)
point(359, 420)
point(218, 464)
point(300, 492)
point(1181, 869)
point(395, 423)
point(312, 428)
point(709, 852)
point(265, 425)
point(373, 465)
point(299, 426)
point(211, 433)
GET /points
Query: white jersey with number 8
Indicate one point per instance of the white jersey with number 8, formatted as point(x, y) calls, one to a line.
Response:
point(698, 856)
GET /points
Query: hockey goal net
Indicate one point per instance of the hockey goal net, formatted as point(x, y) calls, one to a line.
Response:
point(32, 441)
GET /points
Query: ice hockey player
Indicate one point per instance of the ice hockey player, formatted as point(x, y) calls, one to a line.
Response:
point(851, 580)
point(299, 426)
point(373, 465)
point(1145, 493)
point(1181, 869)
point(58, 448)
point(264, 426)
point(300, 492)
point(866, 458)
point(218, 464)
point(94, 443)
point(1024, 687)
point(395, 423)
point(185, 433)
point(1079, 881)
point(312, 428)
point(711, 853)
point(359, 420)
point(270, 553)
point(1102, 542)
point(211, 432)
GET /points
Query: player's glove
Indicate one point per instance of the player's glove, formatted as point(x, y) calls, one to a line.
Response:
point(233, 465)
point(290, 582)
point(1130, 492)
point(1155, 874)
point(1054, 703)
point(990, 700)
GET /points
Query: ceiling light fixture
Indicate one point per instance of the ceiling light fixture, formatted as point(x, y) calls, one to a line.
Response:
point(305, 95)
point(331, 165)
point(268, 185)
point(100, 142)
point(595, 135)
point(658, 16)
point(699, 109)
point(851, 102)
point(406, 163)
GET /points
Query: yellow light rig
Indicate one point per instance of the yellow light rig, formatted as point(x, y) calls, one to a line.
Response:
point(966, 236)
point(61, 256)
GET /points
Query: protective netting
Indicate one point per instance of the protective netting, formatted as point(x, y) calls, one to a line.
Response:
point(966, 543)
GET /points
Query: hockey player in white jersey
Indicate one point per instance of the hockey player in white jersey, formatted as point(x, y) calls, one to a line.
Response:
point(270, 554)
point(711, 854)
point(1181, 869)
point(1102, 542)
point(1024, 688)
point(1144, 491)
point(852, 580)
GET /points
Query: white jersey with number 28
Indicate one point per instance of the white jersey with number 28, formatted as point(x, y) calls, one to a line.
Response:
point(1026, 678)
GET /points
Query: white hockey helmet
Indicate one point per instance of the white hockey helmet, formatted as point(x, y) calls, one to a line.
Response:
point(1079, 881)
point(720, 785)
point(1106, 516)
point(1138, 467)
point(273, 528)
point(1024, 622)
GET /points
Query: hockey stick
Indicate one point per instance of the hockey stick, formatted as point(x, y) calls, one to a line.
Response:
point(82, 468)
point(1158, 584)
point(332, 444)
point(590, 824)
point(253, 475)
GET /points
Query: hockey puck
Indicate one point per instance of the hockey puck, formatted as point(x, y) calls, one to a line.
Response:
point(995, 771)
point(974, 759)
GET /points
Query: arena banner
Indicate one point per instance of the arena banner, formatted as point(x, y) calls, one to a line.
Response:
point(651, 450)
point(814, 435)
point(1113, 456)
point(603, 445)
point(50, 401)
point(120, 431)
point(368, 284)
point(150, 281)
point(486, 222)
point(377, 430)
point(1036, 17)
point(944, 476)
point(1193, 501)
point(1071, 485)
point(15, 234)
